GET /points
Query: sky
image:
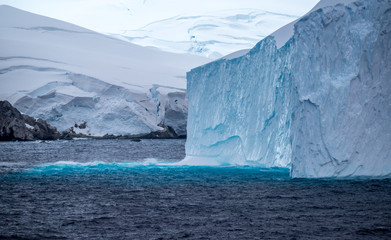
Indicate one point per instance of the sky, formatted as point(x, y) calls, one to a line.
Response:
point(116, 16)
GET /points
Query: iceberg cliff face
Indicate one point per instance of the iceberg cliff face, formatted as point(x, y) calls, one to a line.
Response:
point(239, 111)
point(320, 104)
point(342, 116)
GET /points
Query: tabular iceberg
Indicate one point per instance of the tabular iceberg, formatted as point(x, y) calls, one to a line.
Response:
point(315, 98)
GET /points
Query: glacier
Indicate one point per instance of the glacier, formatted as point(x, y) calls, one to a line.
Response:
point(71, 76)
point(212, 34)
point(203, 27)
point(315, 97)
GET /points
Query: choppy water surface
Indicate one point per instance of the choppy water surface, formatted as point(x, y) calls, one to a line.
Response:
point(114, 189)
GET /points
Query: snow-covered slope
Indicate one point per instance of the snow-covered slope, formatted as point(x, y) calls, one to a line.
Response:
point(212, 35)
point(66, 75)
point(316, 99)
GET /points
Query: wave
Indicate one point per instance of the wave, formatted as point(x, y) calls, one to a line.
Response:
point(148, 163)
point(11, 164)
point(93, 165)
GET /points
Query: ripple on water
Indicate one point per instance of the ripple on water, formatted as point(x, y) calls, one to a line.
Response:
point(90, 189)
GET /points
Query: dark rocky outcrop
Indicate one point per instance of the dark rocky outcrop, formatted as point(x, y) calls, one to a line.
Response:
point(17, 126)
point(70, 133)
point(167, 133)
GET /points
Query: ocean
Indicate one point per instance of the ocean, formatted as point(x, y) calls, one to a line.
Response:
point(121, 189)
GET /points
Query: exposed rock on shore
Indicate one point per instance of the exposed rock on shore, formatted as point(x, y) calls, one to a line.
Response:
point(17, 126)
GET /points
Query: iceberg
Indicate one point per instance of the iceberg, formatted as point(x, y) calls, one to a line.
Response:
point(315, 97)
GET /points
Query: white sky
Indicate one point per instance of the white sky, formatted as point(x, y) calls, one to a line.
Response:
point(115, 16)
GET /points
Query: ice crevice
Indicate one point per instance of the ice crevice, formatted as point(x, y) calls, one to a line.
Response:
point(28, 58)
point(29, 67)
point(53, 29)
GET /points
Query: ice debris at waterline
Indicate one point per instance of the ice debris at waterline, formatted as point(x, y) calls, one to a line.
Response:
point(317, 101)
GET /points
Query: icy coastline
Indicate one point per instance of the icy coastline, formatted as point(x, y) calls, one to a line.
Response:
point(68, 75)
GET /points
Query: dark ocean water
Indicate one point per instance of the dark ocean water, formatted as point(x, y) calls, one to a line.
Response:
point(115, 189)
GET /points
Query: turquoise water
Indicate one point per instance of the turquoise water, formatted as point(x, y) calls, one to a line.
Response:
point(118, 189)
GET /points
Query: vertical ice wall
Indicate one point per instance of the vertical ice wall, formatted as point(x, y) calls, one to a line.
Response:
point(239, 109)
point(321, 104)
point(342, 78)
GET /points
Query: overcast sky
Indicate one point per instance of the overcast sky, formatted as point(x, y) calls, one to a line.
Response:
point(115, 16)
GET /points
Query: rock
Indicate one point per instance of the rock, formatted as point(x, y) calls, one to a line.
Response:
point(167, 133)
point(83, 125)
point(16, 126)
